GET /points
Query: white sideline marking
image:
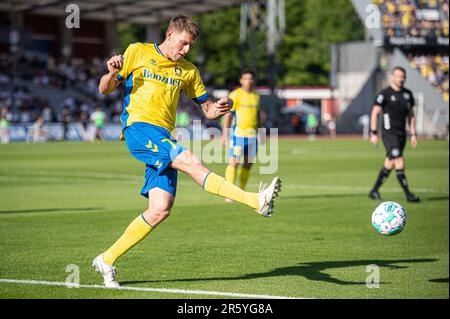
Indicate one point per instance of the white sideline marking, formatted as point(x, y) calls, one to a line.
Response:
point(172, 291)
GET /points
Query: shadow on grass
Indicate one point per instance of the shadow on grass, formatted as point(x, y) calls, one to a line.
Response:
point(321, 196)
point(435, 198)
point(439, 280)
point(352, 195)
point(314, 271)
point(49, 210)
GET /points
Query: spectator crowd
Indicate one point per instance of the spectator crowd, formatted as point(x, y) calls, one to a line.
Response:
point(415, 18)
point(435, 69)
point(19, 102)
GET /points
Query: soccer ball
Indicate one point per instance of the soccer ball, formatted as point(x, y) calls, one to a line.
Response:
point(389, 218)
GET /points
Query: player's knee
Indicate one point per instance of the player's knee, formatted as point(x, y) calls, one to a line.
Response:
point(157, 213)
point(247, 165)
point(188, 161)
point(399, 163)
point(187, 157)
point(162, 214)
point(389, 163)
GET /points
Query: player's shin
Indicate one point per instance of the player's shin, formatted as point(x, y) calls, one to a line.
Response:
point(230, 173)
point(218, 185)
point(382, 176)
point(244, 174)
point(135, 232)
point(402, 180)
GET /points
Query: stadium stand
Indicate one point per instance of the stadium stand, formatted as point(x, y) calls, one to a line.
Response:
point(435, 69)
point(417, 18)
point(423, 19)
point(33, 71)
point(412, 34)
point(427, 19)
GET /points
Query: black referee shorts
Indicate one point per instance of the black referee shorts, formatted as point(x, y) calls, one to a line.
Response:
point(394, 144)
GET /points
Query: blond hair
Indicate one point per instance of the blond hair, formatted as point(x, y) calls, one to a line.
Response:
point(184, 23)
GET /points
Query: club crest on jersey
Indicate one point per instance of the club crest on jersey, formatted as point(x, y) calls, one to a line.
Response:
point(153, 62)
point(406, 96)
point(393, 99)
point(178, 71)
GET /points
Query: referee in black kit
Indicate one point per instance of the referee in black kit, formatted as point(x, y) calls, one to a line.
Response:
point(395, 103)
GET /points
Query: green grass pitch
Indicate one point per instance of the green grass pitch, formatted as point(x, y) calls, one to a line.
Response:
point(64, 203)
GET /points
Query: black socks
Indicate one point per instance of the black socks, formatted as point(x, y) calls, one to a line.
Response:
point(382, 176)
point(402, 180)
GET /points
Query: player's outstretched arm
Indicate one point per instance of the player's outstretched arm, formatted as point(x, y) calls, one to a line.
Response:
point(214, 110)
point(412, 128)
point(376, 110)
point(109, 82)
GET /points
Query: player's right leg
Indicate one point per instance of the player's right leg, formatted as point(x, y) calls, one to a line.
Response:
point(382, 177)
point(234, 156)
point(231, 172)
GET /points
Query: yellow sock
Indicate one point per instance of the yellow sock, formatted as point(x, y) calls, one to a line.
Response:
point(244, 173)
point(230, 174)
point(218, 185)
point(134, 233)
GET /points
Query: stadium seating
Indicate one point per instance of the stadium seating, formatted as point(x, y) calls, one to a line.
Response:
point(435, 69)
point(428, 19)
point(422, 18)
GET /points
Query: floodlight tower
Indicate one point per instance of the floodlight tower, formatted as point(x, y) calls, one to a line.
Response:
point(275, 31)
point(266, 16)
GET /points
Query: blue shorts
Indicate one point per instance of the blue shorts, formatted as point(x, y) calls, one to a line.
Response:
point(243, 146)
point(153, 145)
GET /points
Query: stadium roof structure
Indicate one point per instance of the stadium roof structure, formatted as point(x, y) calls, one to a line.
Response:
point(132, 11)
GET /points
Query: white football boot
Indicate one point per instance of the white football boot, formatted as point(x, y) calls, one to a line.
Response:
point(266, 197)
point(107, 271)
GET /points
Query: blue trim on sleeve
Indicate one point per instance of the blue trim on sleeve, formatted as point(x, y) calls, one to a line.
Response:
point(204, 180)
point(126, 100)
point(119, 77)
point(201, 99)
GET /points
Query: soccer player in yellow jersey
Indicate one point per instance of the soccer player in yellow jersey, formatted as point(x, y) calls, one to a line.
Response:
point(243, 118)
point(154, 76)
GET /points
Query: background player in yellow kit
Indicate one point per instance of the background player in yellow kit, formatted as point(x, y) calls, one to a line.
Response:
point(154, 77)
point(243, 119)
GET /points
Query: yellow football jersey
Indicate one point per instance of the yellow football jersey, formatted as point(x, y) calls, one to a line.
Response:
point(245, 113)
point(153, 84)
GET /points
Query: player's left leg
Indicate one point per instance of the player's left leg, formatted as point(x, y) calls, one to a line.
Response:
point(399, 163)
point(152, 146)
point(262, 202)
point(250, 149)
point(234, 156)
